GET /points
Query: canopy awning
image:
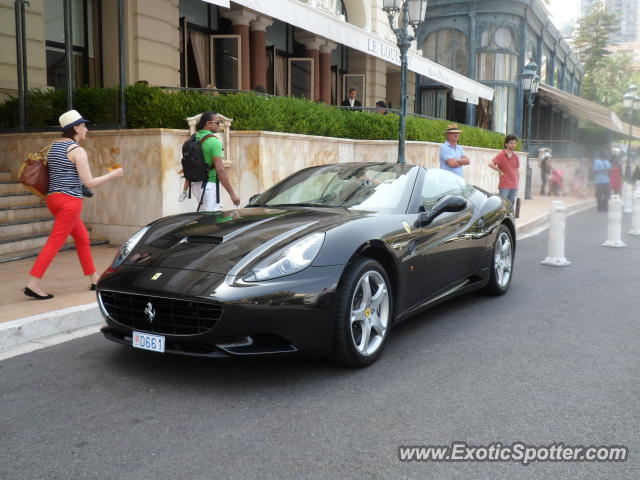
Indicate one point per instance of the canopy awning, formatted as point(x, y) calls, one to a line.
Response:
point(585, 110)
point(315, 21)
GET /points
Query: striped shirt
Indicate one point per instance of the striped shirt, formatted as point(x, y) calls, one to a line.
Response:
point(63, 175)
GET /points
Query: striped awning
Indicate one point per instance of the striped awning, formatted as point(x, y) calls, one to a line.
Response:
point(586, 110)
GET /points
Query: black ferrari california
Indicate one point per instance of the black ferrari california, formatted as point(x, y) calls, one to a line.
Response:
point(323, 263)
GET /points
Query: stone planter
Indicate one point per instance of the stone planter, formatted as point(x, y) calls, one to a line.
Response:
point(151, 160)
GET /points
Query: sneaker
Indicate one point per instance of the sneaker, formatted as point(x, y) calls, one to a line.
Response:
point(182, 197)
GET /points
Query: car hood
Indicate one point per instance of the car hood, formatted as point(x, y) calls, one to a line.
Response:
point(216, 242)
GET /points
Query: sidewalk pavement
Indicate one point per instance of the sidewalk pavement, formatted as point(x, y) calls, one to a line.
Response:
point(25, 324)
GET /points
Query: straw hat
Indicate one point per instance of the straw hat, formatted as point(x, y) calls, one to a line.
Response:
point(70, 119)
point(452, 128)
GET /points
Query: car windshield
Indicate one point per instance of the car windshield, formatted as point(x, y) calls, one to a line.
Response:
point(358, 186)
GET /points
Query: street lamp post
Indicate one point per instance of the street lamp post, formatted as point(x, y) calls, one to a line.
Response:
point(529, 82)
point(630, 102)
point(413, 12)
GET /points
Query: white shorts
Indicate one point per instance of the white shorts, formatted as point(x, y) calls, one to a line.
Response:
point(209, 203)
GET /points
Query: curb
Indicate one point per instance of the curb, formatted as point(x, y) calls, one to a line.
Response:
point(17, 333)
point(540, 223)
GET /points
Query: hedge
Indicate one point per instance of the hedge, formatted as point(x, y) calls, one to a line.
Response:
point(153, 107)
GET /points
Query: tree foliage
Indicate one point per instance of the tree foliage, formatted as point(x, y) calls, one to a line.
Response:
point(592, 37)
point(606, 75)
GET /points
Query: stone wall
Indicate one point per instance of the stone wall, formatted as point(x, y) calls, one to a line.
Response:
point(151, 158)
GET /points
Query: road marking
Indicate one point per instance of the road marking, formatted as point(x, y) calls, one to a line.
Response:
point(49, 341)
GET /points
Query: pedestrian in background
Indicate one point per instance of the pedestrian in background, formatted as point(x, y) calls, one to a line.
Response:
point(601, 169)
point(615, 175)
point(209, 124)
point(68, 171)
point(545, 171)
point(381, 106)
point(507, 164)
point(452, 156)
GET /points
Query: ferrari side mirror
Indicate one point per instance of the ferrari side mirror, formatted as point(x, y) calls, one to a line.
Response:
point(454, 203)
point(448, 203)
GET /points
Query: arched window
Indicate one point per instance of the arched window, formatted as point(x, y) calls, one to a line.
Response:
point(531, 51)
point(497, 59)
point(449, 48)
point(498, 38)
point(543, 68)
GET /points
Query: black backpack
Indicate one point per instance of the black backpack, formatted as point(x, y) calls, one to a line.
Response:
point(194, 168)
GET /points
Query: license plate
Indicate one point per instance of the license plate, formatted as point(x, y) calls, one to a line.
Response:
point(146, 341)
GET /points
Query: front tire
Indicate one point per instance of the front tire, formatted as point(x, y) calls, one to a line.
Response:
point(501, 263)
point(363, 313)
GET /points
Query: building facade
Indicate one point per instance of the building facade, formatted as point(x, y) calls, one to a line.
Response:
point(491, 41)
point(628, 12)
point(317, 49)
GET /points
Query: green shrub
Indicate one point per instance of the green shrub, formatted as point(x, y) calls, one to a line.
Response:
point(100, 104)
point(9, 113)
point(153, 107)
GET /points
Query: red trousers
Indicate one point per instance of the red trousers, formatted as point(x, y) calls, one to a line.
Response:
point(66, 210)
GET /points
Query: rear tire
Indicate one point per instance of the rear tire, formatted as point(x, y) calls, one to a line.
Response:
point(501, 263)
point(363, 314)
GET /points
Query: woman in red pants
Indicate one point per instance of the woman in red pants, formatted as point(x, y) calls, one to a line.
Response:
point(68, 171)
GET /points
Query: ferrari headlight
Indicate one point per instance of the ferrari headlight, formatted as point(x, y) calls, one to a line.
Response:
point(126, 249)
point(292, 259)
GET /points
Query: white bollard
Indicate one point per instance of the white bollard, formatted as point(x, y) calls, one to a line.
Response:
point(635, 217)
point(614, 231)
point(627, 197)
point(555, 254)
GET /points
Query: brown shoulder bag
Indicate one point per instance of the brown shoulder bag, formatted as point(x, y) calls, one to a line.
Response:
point(34, 172)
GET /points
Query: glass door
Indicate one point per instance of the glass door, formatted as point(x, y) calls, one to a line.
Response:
point(301, 77)
point(225, 62)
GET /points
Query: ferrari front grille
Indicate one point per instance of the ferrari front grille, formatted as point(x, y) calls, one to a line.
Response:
point(161, 315)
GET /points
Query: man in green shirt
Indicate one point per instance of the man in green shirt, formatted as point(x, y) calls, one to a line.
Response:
point(208, 124)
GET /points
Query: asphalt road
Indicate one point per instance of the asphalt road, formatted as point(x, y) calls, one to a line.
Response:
point(555, 360)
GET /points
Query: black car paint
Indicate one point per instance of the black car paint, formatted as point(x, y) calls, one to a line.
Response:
point(198, 257)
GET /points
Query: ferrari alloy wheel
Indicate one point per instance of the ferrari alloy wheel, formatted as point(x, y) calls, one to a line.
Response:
point(369, 317)
point(364, 315)
point(501, 263)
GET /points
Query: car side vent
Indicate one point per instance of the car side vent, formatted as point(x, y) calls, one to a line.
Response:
point(204, 239)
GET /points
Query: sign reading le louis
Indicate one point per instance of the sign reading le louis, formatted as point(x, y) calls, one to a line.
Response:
point(381, 50)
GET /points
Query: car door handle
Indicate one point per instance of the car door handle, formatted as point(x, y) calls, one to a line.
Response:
point(481, 222)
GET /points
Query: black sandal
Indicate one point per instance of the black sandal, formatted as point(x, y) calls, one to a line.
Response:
point(30, 293)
